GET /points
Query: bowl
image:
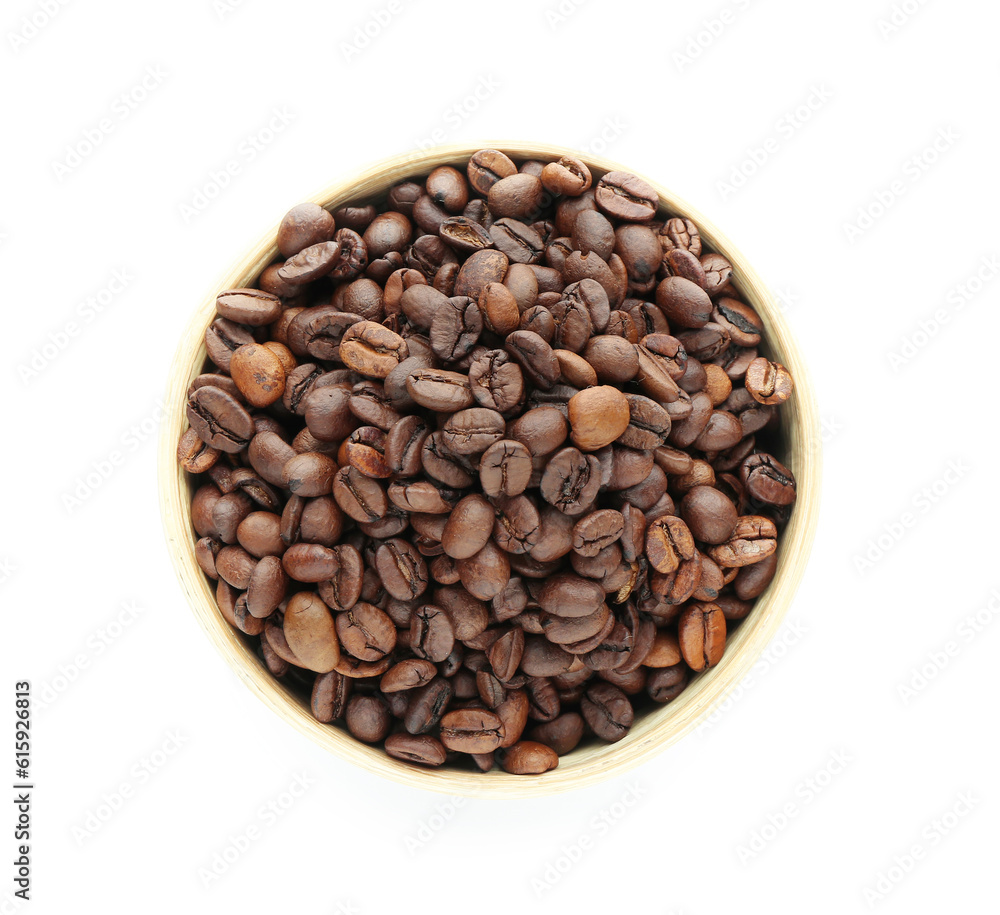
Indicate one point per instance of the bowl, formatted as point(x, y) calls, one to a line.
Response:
point(655, 729)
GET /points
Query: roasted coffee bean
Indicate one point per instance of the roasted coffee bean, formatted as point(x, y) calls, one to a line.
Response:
point(330, 695)
point(607, 711)
point(626, 197)
point(568, 176)
point(310, 263)
point(768, 382)
point(310, 562)
point(366, 632)
point(409, 674)
point(481, 269)
point(597, 417)
point(495, 381)
point(455, 328)
point(471, 730)
point(718, 271)
point(368, 718)
point(309, 474)
point(562, 734)
point(593, 532)
point(402, 569)
point(667, 683)
point(359, 496)
point(710, 516)
point(684, 303)
point(751, 580)
point(304, 225)
point(432, 636)
point(571, 481)
point(248, 306)
point(485, 574)
point(219, 419)
point(668, 543)
point(701, 634)
point(752, 539)
point(468, 527)
point(535, 357)
point(426, 706)
point(528, 757)
point(472, 431)
point(517, 524)
point(309, 630)
point(424, 750)
point(505, 468)
point(371, 349)
point(194, 455)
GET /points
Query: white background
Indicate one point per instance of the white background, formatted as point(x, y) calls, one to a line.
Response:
point(708, 98)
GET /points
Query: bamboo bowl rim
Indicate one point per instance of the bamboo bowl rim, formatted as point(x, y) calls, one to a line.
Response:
point(654, 730)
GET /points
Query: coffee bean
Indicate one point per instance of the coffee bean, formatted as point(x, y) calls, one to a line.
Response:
point(371, 349)
point(302, 226)
point(486, 573)
point(505, 468)
point(330, 695)
point(472, 431)
point(768, 382)
point(607, 711)
point(219, 419)
point(562, 734)
point(710, 516)
point(527, 757)
point(487, 167)
point(468, 527)
point(309, 630)
point(248, 306)
point(402, 569)
point(455, 328)
point(753, 538)
point(359, 496)
point(409, 674)
point(684, 303)
point(495, 381)
point(701, 634)
point(668, 543)
point(597, 417)
point(516, 196)
point(366, 632)
point(593, 532)
point(471, 730)
point(568, 176)
point(423, 749)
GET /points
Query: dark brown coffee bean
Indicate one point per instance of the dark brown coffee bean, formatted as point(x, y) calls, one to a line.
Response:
point(527, 757)
point(426, 706)
point(516, 196)
point(487, 167)
point(194, 455)
point(309, 630)
point(718, 272)
point(607, 711)
point(517, 524)
point(366, 632)
point(472, 431)
point(753, 538)
point(455, 328)
point(485, 574)
point(248, 306)
point(468, 527)
point(368, 718)
point(219, 419)
point(567, 175)
point(667, 683)
point(541, 430)
point(402, 569)
point(668, 543)
point(597, 417)
point(471, 730)
point(684, 303)
point(424, 750)
point(562, 734)
point(343, 590)
point(571, 481)
point(505, 468)
point(309, 474)
point(310, 562)
point(521, 243)
point(409, 674)
point(478, 271)
point(304, 225)
point(597, 530)
point(330, 695)
point(505, 654)
point(359, 496)
point(371, 349)
point(499, 308)
point(627, 197)
point(701, 634)
point(751, 580)
point(496, 382)
point(710, 516)
point(432, 636)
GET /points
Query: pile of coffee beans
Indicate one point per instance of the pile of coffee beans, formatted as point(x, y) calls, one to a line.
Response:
point(484, 466)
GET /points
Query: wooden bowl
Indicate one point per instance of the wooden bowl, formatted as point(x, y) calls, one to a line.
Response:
point(653, 730)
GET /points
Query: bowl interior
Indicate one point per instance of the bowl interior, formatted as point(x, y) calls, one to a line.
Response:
point(655, 729)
